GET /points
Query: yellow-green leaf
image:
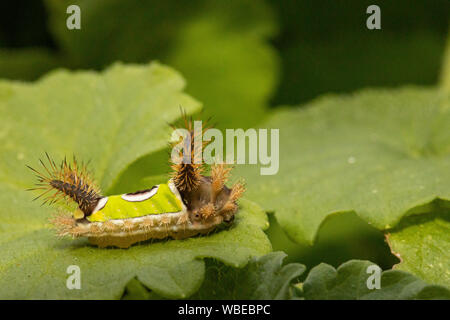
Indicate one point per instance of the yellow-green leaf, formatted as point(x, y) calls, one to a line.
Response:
point(379, 153)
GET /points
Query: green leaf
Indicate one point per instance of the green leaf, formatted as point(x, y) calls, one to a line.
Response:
point(263, 278)
point(110, 118)
point(349, 282)
point(422, 243)
point(379, 153)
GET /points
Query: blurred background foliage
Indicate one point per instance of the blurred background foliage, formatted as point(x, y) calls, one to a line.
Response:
point(241, 58)
point(319, 46)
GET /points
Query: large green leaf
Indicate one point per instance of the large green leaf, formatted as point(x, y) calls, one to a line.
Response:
point(378, 153)
point(110, 118)
point(422, 243)
point(349, 282)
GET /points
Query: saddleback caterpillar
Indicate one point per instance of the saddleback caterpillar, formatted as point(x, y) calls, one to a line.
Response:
point(190, 203)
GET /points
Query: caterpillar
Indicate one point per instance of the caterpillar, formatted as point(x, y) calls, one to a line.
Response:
point(189, 204)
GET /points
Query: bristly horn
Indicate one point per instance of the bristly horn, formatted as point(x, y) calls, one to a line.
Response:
point(68, 181)
point(187, 176)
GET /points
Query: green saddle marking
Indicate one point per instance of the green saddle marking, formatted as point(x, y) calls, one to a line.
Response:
point(164, 201)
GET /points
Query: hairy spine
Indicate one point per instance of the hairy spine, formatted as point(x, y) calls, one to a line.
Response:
point(68, 181)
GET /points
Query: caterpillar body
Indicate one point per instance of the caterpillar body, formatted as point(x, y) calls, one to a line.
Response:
point(189, 204)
